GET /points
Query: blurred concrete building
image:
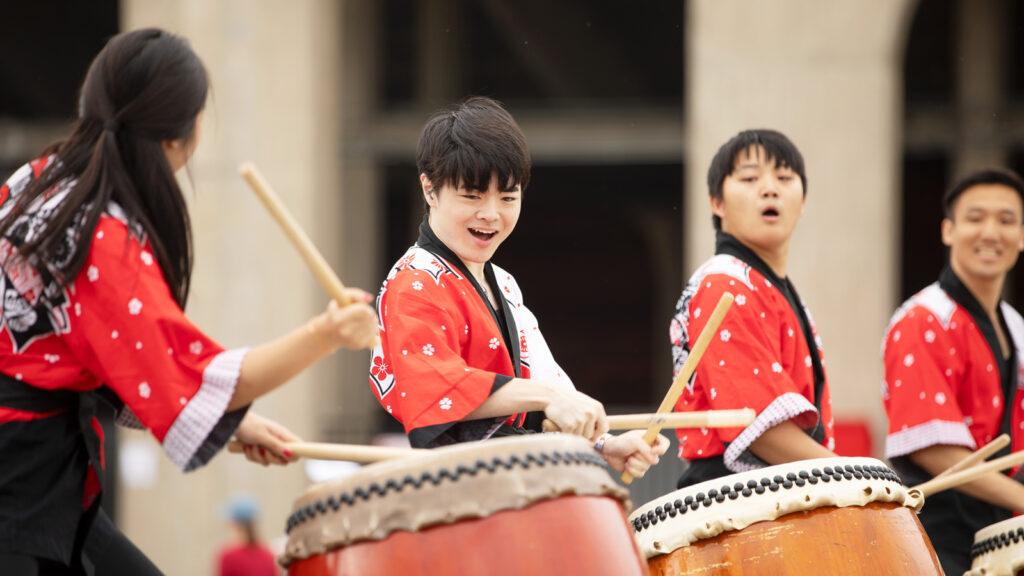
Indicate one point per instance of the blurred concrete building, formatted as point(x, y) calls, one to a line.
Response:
point(623, 106)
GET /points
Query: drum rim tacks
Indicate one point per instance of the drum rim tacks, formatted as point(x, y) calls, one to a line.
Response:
point(710, 508)
point(443, 486)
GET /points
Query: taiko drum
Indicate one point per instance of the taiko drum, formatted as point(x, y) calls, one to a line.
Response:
point(536, 505)
point(998, 549)
point(850, 516)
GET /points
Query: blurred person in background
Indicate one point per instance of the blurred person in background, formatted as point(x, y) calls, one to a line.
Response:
point(954, 355)
point(244, 554)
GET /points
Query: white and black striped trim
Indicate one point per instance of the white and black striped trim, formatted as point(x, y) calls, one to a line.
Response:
point(1015, 324)
point(198, 420)
point(724, 264)
point(738, 457)
point(931, 433)
point(932, 298)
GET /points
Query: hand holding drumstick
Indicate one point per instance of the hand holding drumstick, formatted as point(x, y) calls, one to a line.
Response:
point(674, 391)
point(629, 453)
point(353, 326)
point(264, 441)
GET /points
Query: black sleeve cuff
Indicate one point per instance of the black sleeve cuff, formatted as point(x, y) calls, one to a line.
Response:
point(219, 436)
point(499, 381)
point(459, 431)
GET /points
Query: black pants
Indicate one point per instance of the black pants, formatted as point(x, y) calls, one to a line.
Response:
point(105, 551)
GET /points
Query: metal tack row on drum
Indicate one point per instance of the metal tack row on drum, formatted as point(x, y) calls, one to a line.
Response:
point(506, 507)
point(998, 549)
point(829, 516)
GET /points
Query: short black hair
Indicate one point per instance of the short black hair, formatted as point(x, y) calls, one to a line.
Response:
point(777, 147)
point(467, 144)
point(1002, 176)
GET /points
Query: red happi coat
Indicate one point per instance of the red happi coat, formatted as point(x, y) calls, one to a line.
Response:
point(942, 381)
point(116, 327)
point(441, 352)
point(946, 383)
point(758, 359)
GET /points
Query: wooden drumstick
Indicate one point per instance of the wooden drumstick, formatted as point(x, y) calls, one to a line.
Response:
point(964, 476)
point(351, 452)
point(980, 455)
point(669, 402)
point(328, 279)
point(707, 419)
point(314, 260)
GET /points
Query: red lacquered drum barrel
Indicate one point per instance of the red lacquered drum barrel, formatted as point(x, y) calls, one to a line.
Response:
point(998, 549)
point(533, 505)
point(849, 516)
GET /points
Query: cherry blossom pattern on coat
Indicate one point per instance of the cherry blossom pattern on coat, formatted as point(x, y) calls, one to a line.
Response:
point(117, 325)
point(759, 359)
point(942, 384)
point(440, 349)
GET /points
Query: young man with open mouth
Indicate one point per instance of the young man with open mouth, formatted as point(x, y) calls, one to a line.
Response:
point(766, 355)
point(460, 357)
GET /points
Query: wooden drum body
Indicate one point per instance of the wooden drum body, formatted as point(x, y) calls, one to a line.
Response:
point(532, 505)
point(998, 549)
point(849, 516)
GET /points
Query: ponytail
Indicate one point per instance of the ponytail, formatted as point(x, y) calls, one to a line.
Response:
point(144, 88)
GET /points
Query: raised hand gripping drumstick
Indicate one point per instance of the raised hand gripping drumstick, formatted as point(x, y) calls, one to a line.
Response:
point(351, 452)
point(707, 419)
point(980, 455)
point(314, 260)
point(669, 402)
point(964, 476)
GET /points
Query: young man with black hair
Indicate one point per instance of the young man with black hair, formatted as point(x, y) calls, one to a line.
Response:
point(766, 355)
point(953, 358)
point(461, 358)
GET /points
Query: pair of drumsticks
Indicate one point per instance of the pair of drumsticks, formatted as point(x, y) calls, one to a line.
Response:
point(970, 468)
point(665, 417)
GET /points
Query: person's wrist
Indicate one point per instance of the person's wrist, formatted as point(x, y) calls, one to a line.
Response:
point(321, 339)
point(547, 396)
point(600, 442)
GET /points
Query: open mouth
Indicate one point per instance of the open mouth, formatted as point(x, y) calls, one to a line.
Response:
point(482, 234)
point(770, 213)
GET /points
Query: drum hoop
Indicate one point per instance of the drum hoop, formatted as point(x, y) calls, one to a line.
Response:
point(794, 487)
point(333, 503)
point(755, 488)
point(996, 542)
point(995, 551)
point(447, 485)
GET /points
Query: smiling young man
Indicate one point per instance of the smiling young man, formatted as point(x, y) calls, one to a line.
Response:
point(766, 355)
point(460, 356)
point(952, 362)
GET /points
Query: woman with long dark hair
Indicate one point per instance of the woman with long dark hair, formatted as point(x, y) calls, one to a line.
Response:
point(96, 254)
